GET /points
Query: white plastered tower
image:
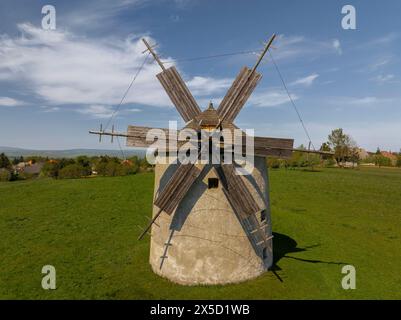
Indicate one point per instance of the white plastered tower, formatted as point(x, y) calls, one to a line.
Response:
point(205, 241)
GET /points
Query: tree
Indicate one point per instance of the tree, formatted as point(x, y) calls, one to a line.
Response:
point(312, 160)
point(345, 148)
point(5, 175)
point(17, 160)
point(273, 163)
point(4, 161)
point(353, 151)
point(337, 141)
point(85, 163)
point(326, 147)
point(382, 161)
point(50, 169)
point(144, 164)
point(72, 171)
point(398, 163)
point(102, 164)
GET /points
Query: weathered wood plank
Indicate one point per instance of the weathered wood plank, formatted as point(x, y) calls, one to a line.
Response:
point(236, 191)
point(177, 187)
point(179, 93)
point(266, 146)
point(136, 136)
point(238, 94)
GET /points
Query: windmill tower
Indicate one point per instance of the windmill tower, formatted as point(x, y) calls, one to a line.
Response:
point(209, 224)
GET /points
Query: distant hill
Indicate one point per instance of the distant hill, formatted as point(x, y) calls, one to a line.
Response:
point(69, 153)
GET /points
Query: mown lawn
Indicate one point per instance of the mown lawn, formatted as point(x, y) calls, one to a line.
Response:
point(87, 229)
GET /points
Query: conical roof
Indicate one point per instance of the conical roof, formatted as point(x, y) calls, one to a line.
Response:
point(208, 119)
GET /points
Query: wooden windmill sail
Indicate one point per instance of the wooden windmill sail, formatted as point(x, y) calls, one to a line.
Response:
point(249, 202)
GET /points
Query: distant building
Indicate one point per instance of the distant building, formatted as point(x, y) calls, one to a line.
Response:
point(20, 166)
point(28, 167)
point(34, 168)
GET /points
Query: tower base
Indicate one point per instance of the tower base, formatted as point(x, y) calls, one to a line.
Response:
point(205, 241)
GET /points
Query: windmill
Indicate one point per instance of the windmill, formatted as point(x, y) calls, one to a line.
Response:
point(209, 224)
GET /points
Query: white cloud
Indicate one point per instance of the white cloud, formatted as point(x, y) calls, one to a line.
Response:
point(364, 100)
point(294, 46)
point(379, 63)
point(387, 78)
point(202, 86)
point(50, 109)
point(306, 81)
point(61, 68)
point(97, 111)
point(359, 101)
point(95, 14)
point(133, 110)
point(337, 46)
point(382, 40)
point(103, 111)
point(270, 98)
point(10, 102)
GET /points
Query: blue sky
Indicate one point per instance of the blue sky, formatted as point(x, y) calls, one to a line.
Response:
point(56, 85)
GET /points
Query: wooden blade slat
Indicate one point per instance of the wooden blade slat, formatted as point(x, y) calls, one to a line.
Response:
point(136, 136)
point(264, 146)
point(230, 95)
point(179, 93)
point(177, 187)
point(238, 94)
point(237, 192)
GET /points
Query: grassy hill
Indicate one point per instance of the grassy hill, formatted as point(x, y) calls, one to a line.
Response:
point(87, 229)
point(70, 153)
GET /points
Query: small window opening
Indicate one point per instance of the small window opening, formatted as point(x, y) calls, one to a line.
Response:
point(263, 215)
point(213, 183)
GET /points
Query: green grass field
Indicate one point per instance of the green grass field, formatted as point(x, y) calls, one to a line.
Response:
point(87, 229)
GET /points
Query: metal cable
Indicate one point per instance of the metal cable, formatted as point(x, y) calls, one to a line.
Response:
point(212, 56)
point(292, 101)
point(121, 150)
point(126, 91)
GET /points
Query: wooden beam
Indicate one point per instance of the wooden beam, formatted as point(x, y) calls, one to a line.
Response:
point(267, 46)
point(153, 54)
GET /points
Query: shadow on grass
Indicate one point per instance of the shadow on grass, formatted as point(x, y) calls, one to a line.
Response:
point(283, 245)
